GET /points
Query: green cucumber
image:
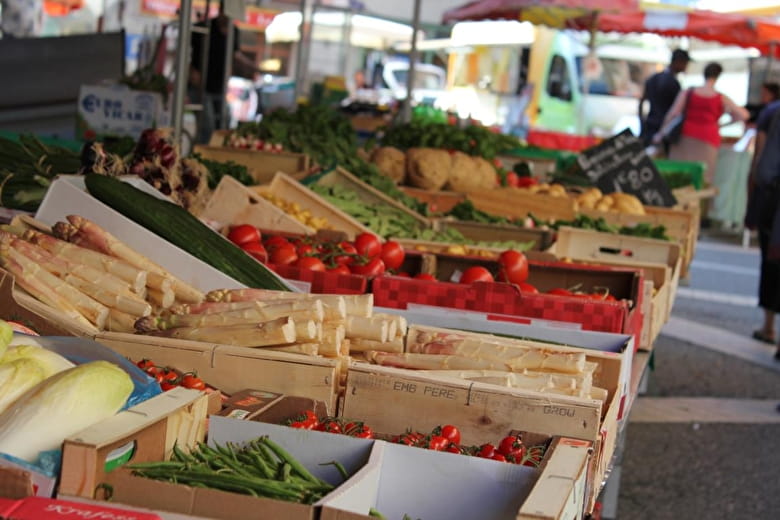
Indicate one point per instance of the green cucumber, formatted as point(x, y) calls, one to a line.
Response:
point(182, 229)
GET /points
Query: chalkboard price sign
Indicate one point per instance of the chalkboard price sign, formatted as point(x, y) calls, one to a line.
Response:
point(621, 164)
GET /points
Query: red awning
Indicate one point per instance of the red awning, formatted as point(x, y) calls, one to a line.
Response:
point(61, 7)
point(553, 13)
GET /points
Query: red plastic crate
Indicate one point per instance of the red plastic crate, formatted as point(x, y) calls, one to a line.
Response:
point(560, 141)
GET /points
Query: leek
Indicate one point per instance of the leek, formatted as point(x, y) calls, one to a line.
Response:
point(52, 362)
point(6, 335)
point(62, 406)
point(16, 378)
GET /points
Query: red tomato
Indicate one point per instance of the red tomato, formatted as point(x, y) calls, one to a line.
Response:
point(374, 267)
point(169, 375)
point(527, 287)
point(348, 254)
point(403, 274)
point(339, 269)
point(243, 234)
point(329, 425)
point(192, 381)
point(165, 386)
point(276, 241)
point(392, 254)
point(304, 249)
point(453, 448)
point(145, 364)
point(514, 266)
point(486, 451)
point(450, 432)
point(425, 276)
point(283, 255)
point(508, 444)
point(367, 244)
point(358, 429)
point(499, 457)
point(256, 250)
point(512, 179)
point(438, 443)
point(476, 273)
point(298, 424)
point(516, 455)
point(560, 292)
point(311, 263)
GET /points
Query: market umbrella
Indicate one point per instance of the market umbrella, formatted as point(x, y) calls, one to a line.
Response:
point(552, 13)
point(724, 28)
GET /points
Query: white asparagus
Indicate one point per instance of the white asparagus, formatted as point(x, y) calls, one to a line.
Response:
point(40, 290)
point(376, 329)
point(110, 299)
point(271, 333)
point(354, 304)
point(160, 299)
point(135, 278)
point(120, 321)
point(308, 349)
point(159, 282)
point(401, 325)
point(306, 330)
point(432, 361)
point(599, 393)
point(333, 337)
point(364, 345)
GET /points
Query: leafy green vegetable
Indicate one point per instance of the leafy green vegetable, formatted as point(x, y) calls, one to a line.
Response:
point(473, 139)
point(218, 169)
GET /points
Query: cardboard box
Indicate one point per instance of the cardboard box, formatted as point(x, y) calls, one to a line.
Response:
point(289, 189)
point(368, 194)
point(434, 486)
point(68, 196)
point(39, 508)
point(560, 491)
point(262, 166)
point(232, 369)
point(438, 201)
point(17, 305)
point(311, 448)
point(118, 111)
point(582, 244)
point(541, 239)
point(232, 204)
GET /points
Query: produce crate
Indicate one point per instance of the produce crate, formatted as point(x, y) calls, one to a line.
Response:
point(681, 226)
point(149, 429)
point(422, 402)
point(542, 239)
point(368, 194)
point(18, 305)
point(262, 166)
point(232, 203)
point(438, 201)
point(287, 188)
point(581, 244)
point(231, 369)
point(516, 203)
point(693, 169)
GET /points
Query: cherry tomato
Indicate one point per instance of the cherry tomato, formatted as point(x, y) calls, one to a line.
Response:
point(509, 443)
point(304, 249)
point(310, 262)
point(560, 292)
point(283, 255)
point(169, 375)
point(365, 434)
point(403, 274)
point(453, 448)
point(514, 266)
point(165, 386)
point(256, 250)
point(298, 424)
point(516, 455)
point(476, 273)
point(368, 245)
point(449, 432)
point(243, 234)
point(499, 457)
point(486, 451)
point(145, 364)
point(329, 425)
point(392, 254)
point(339, 269)
point(406, 439)
point(425, 276)
point(276, 241)
point(437, 443)
point(348, 254)
point(374, 267)
point(527, 287)
point(192, 381)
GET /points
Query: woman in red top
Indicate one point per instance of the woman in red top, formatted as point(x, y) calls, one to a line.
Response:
point(703, 107)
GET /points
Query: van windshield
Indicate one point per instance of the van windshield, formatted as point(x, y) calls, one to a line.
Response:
point(616, 77)
point(423, 79)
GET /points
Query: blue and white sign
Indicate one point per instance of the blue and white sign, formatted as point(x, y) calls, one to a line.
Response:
point(118, 111)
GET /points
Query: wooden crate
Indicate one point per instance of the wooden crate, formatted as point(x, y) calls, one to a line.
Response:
point(154, 426)
point(231, 369)
point(466, 250)
point(518, 203)
point(18, 305)
point(582, 244)
point(289, 189)
point(262, 166)
point(542, 239)
point(232, 203)
point(368, 194)
point(438, 201)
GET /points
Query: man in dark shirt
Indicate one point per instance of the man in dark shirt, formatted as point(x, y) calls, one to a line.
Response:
point(661, 89)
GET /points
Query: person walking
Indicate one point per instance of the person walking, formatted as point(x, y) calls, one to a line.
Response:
point(660, 91)
point(761, 215)
point(701, 108)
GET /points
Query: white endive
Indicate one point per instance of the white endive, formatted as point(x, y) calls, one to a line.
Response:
point(62, 406)
point(6, 334)
point(51, 362)
point(16, 378)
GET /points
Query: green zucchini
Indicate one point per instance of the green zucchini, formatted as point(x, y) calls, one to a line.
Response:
point(176, 225)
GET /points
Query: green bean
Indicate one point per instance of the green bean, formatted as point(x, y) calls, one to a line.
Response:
point(286, 457)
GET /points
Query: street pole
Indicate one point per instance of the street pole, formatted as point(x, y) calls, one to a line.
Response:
point(302, 52)
point(406, 109)
point(230, 38)
point(182, 68)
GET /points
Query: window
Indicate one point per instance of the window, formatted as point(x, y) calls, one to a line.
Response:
point(558, 81)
